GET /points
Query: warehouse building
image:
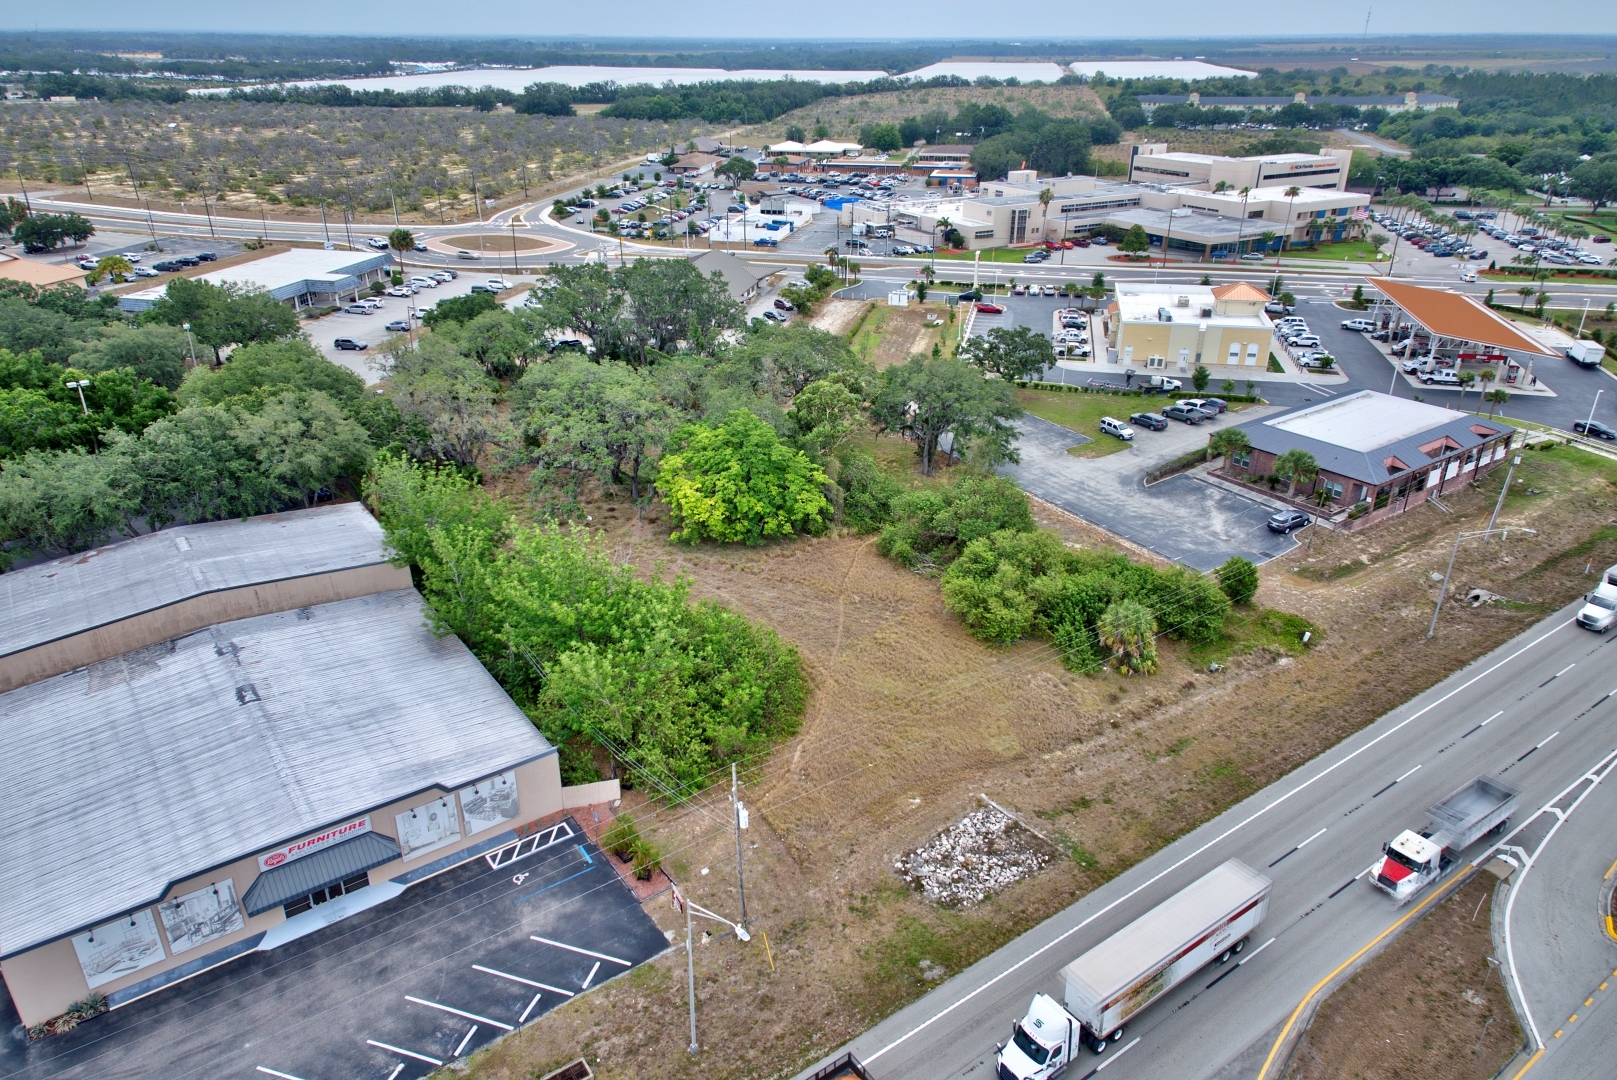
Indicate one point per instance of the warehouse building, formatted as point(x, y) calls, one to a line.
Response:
point(228, 736)
point(1392, 103)
point(1155, 163)
point(301, 277)
point(1378, 455)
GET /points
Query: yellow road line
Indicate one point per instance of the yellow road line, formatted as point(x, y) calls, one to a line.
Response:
point(1530, 1063)
point(1295, 1013)
point(1608, 873)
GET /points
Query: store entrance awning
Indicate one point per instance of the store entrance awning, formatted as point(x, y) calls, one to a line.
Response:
point(1457, 317)
point(325, 867)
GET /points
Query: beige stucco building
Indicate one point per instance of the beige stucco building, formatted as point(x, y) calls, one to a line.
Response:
point(1169, 329)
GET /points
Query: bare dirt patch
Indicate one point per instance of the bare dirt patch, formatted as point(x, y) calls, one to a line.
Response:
point(1426, 1008)
point(890, 335)
point(911, 718)
point(838, 316)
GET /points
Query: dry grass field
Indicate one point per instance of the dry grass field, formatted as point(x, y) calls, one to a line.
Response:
point(910, 719)
point(845, 116)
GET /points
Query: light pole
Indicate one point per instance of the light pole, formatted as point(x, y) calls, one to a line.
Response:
point(79, 385)
point(1515, 461)
point(1592, 411)
point(191, 341)
point(741, 823)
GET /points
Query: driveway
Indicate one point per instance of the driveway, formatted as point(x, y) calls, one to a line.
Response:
point(1181, 518)
point(388, 994)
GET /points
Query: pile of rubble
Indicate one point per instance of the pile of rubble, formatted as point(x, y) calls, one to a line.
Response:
point(977, 856)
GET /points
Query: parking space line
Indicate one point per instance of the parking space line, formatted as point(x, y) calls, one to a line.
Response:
point(520, 979)
point(282, 1075)
point(591, 976)
point(462, 1047)
point(576, 949)
point(406, 1053)
point(396, 1070)
point(523, 1019)
point(456, 1012)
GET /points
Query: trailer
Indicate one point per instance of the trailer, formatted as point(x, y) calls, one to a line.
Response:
point(1411, 861)
point(1210, 919)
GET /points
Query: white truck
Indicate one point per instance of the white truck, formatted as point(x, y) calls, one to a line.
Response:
point(1210, 919)
point(1411, 861)
point(1586, 353)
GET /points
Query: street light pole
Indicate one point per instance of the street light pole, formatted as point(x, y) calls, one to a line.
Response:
point(1515, 461)
point(1592, 411)
point(79, 385)
point(191, 341)
point(741, 823)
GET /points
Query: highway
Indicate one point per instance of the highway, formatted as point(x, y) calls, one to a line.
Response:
point(1540, 710)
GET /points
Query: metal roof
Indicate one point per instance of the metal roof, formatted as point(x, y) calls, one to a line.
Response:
point(1455, 315)
point(165, 763)
point(318, 870)
point(1354, 436)
point(68, 596)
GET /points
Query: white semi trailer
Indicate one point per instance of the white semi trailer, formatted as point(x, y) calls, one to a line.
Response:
point(1210, 919)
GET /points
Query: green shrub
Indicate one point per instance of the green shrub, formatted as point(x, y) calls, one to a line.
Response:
point(1239, 579)
point(738, 483)
point(868, 493)
point(931, 526)
point(621, 838)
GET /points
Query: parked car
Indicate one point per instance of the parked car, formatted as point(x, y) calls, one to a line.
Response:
point(482, 288)
point(348, 343)
point(145, 272)
point(1252, 256)
point(783, 304)
point(400, 290)
point(990, 309)
point(1149, 420)
point(206, 256)
point(1595, 430)
point(423, 281)
point(1363, 326)
point(1285, 521)
point(1187, 413)
point(499, 283)
point(1440, 377)
point(444, 275)
point(1116, 429)
point(398, 326)
point(357, 309)
point(1049, 290)
point(774, 316)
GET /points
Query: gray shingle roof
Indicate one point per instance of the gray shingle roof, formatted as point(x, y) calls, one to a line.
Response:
point(1365, 460)
point(161, 764)
point(80, 592)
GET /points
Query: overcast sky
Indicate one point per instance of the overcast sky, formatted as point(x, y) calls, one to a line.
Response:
point(826, 19)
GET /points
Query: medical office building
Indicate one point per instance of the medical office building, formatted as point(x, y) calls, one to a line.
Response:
point(222, 737)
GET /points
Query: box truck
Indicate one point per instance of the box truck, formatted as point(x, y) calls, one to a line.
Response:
point(1210, 919)
point(1411, 861)
point(1586, 353)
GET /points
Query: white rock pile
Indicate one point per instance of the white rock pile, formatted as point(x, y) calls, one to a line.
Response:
point(972, 859)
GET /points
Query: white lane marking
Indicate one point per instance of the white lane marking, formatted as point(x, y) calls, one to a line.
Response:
point(591, 976)
point(1220, 838)
point(396, 1070)
point(457, 1012)
point(282, 1075)
point(462, 1047)
point(1564, 670)
point(1119, 1054)
point(1311, 839)
point(1492, 718)
point(1407, 775)
point(520, 979)
point(1260, 948)
point(523, 1019)
point(404, 1052)
point(576, 949)
point(1541, 745)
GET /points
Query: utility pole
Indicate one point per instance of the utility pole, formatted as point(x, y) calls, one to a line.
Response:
point(690, 964)
point(209, 211)
point(1484, 534)
point(323, 224)
point(1515, 461)
point(1592, 409)
point(395, 199)
point(741, 823)
point(24, 188)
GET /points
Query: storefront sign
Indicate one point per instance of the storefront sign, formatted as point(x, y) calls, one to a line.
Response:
point(310, 844)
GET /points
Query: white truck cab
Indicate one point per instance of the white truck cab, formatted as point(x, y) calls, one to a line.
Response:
point(1411, 864)
point(1042, 1042)
point(1599, 611)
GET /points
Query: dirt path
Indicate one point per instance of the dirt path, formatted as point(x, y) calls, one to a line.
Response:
point(1426, 1008)
point(838, 316)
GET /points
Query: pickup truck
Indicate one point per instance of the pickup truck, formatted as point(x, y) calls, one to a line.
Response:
point(1413, 860)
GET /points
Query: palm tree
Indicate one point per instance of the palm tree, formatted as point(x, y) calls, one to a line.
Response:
point(1241, 226)
point(1524, 292)
point(1226, 441)
point(943, 226)
point(401, 240)
point(1268, 238)
point(1466, 379)
point(1495, 398)
point(1045, 198)
point(1291, 194)
point(1295, 466)
point(1128, 628)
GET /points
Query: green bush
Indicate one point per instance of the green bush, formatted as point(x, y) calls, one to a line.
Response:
point(738, 483)
point(622, 838)
point(1239, 579)
point(932, 525)
point(868, 493)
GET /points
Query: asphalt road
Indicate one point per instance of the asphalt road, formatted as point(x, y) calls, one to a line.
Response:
point(1537, 709)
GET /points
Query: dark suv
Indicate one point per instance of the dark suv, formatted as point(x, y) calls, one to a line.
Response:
point(1148, 420)
point(1285, 521)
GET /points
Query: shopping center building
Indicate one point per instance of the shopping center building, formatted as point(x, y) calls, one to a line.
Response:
point(225, 736)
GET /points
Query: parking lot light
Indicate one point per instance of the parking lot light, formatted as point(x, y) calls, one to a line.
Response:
point(79, 385)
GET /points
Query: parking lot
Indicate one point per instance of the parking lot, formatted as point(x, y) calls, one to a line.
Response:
point(1182, 518)
point(372, 328)
point(389, 994)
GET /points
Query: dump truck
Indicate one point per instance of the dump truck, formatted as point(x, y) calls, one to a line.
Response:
point(1210, 919)
point(1411, 861)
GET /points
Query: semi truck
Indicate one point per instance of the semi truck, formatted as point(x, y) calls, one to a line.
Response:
point(1210, 919)
point(1413, 860)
